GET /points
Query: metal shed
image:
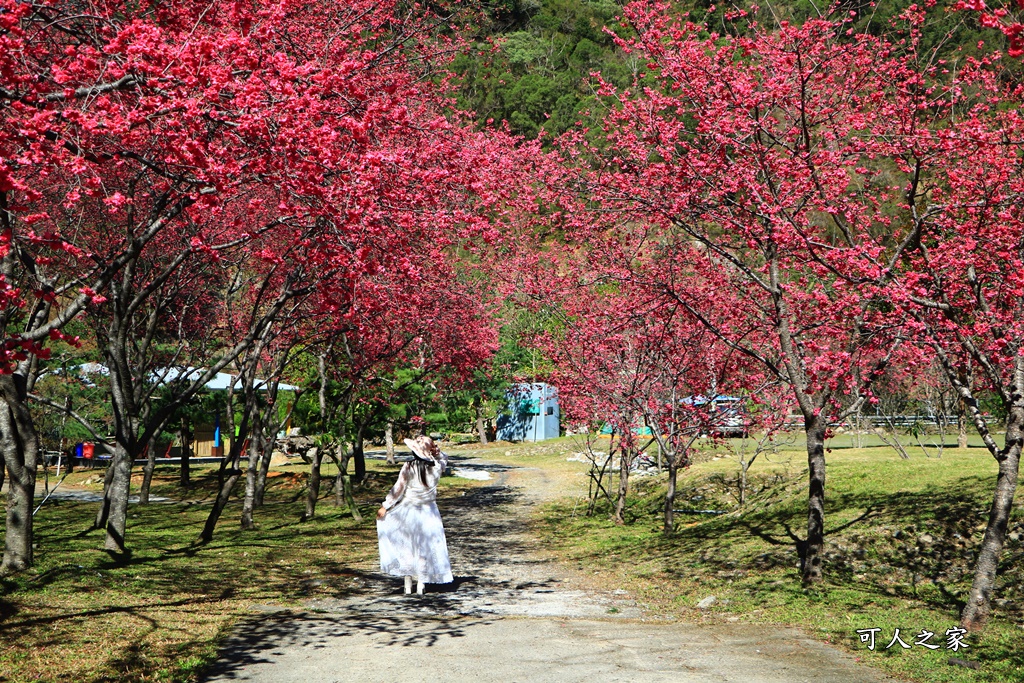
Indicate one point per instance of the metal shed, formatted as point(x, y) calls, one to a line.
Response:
point(531, 413)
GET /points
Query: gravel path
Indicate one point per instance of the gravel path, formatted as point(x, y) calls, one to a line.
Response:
point(510, 617)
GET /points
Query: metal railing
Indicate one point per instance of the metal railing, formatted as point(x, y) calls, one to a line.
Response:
point(875, 421)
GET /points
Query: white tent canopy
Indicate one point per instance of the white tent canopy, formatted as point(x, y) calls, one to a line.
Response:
point(220, 382)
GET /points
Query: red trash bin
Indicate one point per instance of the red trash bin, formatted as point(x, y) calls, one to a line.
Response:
point(88, 450)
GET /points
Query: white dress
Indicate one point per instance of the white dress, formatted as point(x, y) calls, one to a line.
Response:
point(411, 536)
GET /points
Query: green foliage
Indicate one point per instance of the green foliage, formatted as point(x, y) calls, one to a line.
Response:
point(949, 34)
point(65, 384)
point(534, 69)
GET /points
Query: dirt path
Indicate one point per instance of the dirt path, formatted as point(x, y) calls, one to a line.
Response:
point(510, 616)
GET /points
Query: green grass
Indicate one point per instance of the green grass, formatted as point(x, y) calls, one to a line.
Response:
point(82, 614)
point(901, 541)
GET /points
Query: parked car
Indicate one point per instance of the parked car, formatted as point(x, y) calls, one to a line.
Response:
point(729, 418)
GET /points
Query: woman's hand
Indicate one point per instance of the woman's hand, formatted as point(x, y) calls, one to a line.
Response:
point(381, 512)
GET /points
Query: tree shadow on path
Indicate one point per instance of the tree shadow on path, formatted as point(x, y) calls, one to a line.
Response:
point(262, 638)
point(492, 557)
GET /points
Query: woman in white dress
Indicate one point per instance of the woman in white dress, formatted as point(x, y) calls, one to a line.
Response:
point(409, 530)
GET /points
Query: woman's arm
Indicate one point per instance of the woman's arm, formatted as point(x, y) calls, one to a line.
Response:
point(398, 490)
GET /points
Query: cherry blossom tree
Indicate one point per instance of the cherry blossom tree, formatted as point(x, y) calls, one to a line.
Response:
point(76, 113)
point(626, 357)
point(216, 122)
point(762, 156)
point(603, 378)
point(425, 319)
point(964, 279)
point(276, 316)
point(821, 178)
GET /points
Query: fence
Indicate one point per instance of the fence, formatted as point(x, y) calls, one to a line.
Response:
point(880, 421)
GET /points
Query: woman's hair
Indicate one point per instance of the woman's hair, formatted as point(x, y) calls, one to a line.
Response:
point(421, 466)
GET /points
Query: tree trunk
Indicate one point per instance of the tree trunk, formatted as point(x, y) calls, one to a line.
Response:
point(103, 514)
point(343, 484)
point(249, 436)
point(222, 500)
point(815, 430)
point(670, 494)
point(21, 453)
point(744, 467)
point(620, 502)
point(256, 437)
point(120, 487)
point(966, 379)
point(961, 424)
point(358, 458)
point(313, 491)
point(261, 479)
point(389, 441)
point(19, 534)
point(481, 425)
point(251, 474)
point(185, 436)
point(346, 483)
point(858, 421)
point(63, 442)
point(341, 458)
point(147, 470)
point(979, 603)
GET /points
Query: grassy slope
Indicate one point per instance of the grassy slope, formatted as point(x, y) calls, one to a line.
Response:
point(82, 615)
point(901, 542)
